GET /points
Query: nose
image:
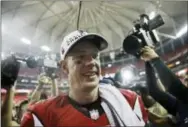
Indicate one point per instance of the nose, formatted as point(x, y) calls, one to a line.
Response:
point(89, 60)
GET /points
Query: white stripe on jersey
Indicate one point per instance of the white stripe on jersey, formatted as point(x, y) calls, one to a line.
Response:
point(37, 122)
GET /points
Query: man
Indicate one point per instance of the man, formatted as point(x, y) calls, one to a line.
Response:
point(87, 103)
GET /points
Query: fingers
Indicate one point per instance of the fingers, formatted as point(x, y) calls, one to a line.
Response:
point(153, 47)
point(45, 80)
point(147, 49)
point(145, 54)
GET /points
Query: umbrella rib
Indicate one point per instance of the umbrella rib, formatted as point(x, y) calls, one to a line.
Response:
point(37, 22)
point(9, 10)
point(79, 13)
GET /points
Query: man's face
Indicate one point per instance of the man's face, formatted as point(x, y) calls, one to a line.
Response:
point(83, 66)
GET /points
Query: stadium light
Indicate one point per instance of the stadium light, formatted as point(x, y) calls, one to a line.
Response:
point(177, 63)
point(26, 41)
point(142, 73)
point(127, 76)
point(109, 65)
point(45, 48)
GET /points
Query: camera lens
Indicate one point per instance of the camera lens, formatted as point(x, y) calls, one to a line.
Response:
point(132, 44)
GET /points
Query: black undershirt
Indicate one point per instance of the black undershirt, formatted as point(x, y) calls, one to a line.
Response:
point(85, 109)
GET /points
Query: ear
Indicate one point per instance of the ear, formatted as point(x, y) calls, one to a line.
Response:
point(64, 67)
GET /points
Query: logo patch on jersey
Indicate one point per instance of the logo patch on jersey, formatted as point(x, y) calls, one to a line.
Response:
point(94, 114)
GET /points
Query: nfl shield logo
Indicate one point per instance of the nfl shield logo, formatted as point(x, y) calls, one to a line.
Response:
point(94, 114)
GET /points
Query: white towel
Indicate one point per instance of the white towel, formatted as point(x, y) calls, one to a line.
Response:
point(37, 122)
point(122, 108)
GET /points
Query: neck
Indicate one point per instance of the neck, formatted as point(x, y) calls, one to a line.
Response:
point(84, 97)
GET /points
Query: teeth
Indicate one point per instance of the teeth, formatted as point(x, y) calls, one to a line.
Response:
point(90, 74)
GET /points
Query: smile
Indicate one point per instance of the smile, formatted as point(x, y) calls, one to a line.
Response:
point(90, 74)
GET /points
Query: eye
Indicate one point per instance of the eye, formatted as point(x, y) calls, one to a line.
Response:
point(78, 61)
point(81, 57)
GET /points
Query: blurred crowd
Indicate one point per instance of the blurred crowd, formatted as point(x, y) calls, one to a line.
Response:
point(17, 109)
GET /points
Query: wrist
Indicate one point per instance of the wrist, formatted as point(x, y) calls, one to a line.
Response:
point(154, 61)
point(153, 58)
point(9, 88)
point(40, 86)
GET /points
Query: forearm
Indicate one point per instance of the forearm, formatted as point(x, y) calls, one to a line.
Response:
point(7, 108)
point(54, 88)
point(36, 94)
point(160, 85)
point(169, 80)
point(152, 80)
point(165, 99)
point(166, 76)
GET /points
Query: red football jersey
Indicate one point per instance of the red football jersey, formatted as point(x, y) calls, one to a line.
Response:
point(58, 112)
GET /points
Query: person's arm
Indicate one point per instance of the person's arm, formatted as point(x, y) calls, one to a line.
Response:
point(170, 80)
point(166, 100)
point(160, 85)
point(36, 94)
point(167, 77)
point(54, 88)
point(6, 110)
